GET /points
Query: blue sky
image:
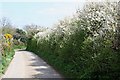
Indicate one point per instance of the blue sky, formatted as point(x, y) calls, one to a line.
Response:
point(40, 13)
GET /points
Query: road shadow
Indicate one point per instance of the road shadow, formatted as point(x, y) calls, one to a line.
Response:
point(43, 70)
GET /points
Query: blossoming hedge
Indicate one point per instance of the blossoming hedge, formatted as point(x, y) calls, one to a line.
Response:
point(81, 46)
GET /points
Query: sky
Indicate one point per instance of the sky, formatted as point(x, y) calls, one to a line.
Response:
point(44, 13)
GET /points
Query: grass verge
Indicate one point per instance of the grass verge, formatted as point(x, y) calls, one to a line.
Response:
point(6, 60)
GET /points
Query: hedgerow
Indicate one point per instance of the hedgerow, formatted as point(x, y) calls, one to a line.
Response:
point(81, 47)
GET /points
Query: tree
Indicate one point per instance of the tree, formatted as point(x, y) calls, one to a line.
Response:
point(33, 29)
point(6, 26)
point(20, 36)
point(4, 22)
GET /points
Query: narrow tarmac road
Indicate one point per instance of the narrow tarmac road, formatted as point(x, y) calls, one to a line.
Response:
point(28, 65)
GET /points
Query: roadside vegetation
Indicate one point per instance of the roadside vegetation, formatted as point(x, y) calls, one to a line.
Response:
point(10, 39)
point(84, 46)
point(7, 52)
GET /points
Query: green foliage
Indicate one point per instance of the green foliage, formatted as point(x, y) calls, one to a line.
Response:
point(20, 31)
point(20, 37)
point(19, 47)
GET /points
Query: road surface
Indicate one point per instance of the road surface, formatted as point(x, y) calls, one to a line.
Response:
point(28, 65)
